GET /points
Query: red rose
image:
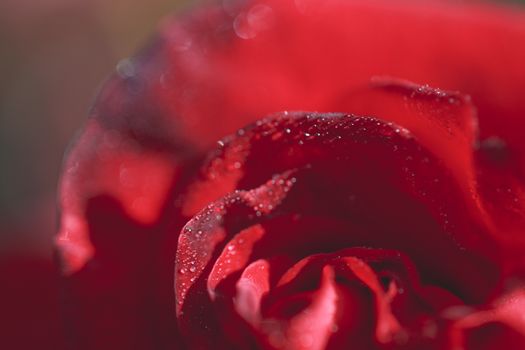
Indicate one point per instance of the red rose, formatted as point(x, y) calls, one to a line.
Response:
point(393, 223)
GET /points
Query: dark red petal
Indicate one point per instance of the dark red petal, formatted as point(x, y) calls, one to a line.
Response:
point(387, 324)
point(311, 140)
point(443, 122)
point(333, 178)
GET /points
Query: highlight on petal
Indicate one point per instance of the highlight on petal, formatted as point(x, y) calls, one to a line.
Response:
point(250, 288)
point(502, 324)
point(234, 256)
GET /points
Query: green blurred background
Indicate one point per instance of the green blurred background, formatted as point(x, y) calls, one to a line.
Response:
point(53, 56)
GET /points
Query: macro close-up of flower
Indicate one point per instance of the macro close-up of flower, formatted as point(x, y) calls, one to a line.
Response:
point(302, 175)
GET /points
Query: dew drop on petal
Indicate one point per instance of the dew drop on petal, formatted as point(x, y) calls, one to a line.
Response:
point(248, 24)
point(125, 68)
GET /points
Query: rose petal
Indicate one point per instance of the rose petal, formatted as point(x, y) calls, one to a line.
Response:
point(311, 328)
point(333, 137)
point(330, 169)
point(234, 257)
point(251, 286)
point(360, 299)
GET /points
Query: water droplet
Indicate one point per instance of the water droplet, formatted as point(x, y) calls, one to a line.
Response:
point(248, 24)
point(193, 269)
point(182, 271)
point(126, 68)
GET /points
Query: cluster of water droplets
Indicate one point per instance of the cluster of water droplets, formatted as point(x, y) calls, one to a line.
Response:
point(264, 199)
point(438, 94)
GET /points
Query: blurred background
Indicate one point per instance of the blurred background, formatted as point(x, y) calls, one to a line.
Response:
point(54, 54)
